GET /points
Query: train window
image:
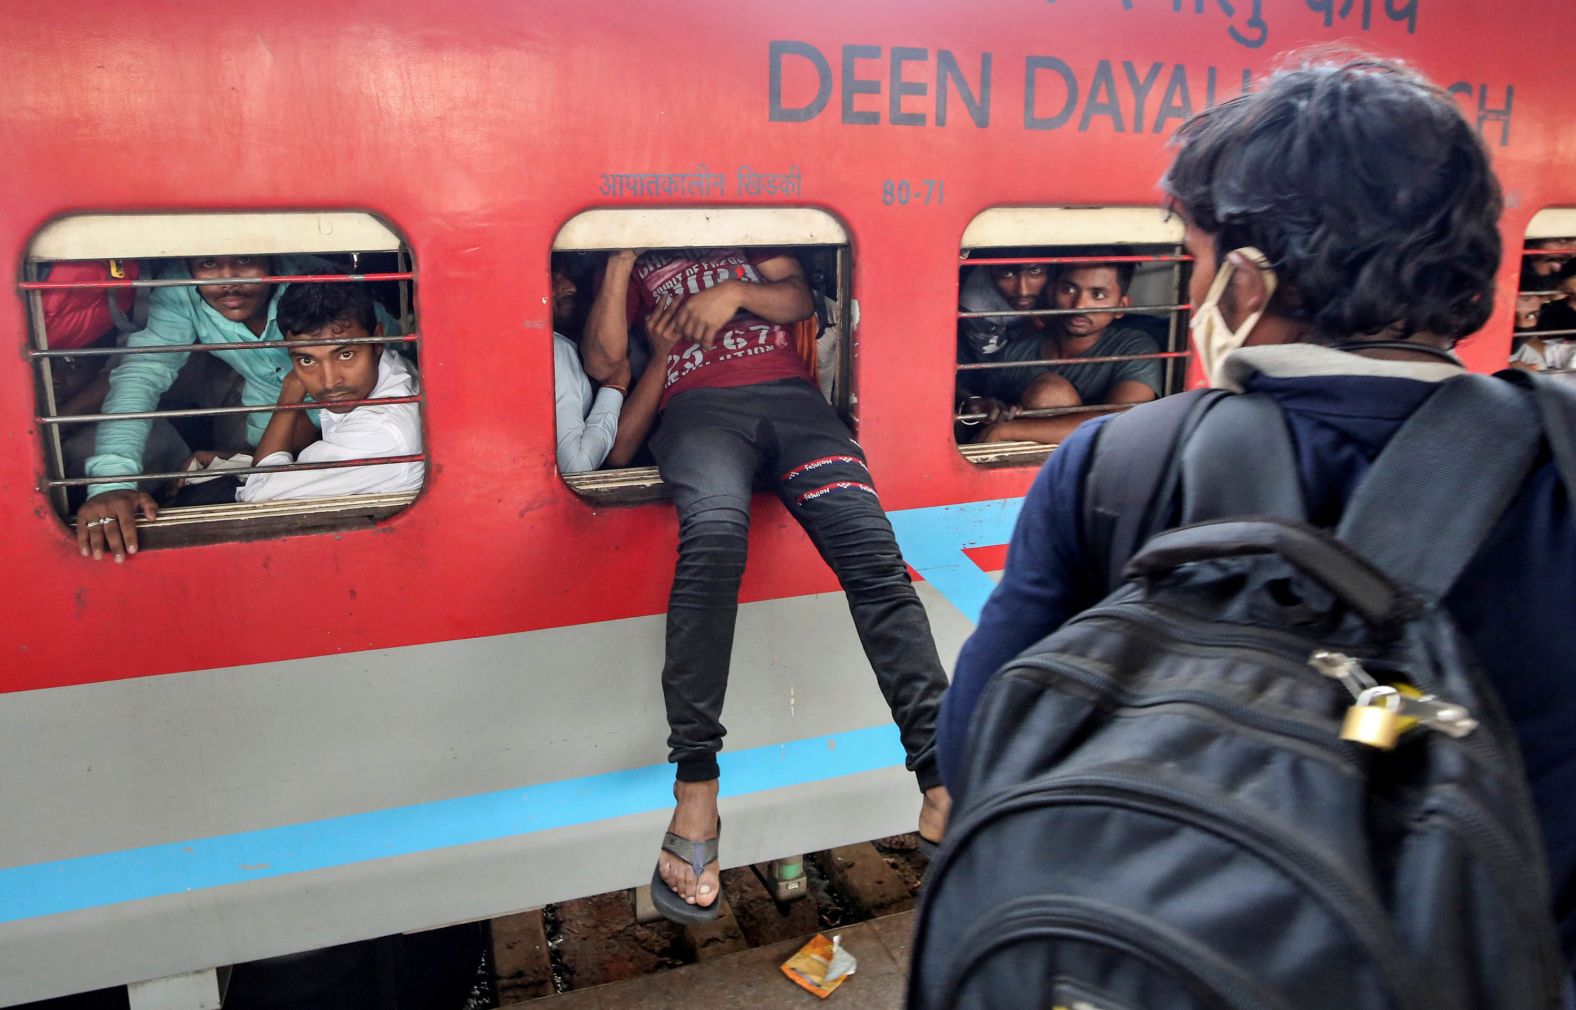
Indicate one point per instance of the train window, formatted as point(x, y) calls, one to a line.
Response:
point(1064, 313)
point(161, 369)
point(1545, 326)
point(604, 418)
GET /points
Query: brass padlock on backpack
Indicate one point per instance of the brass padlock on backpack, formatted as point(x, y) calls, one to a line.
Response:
point(1374, 721)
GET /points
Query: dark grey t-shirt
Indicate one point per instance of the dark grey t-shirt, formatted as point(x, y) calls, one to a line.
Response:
point(1093, 382)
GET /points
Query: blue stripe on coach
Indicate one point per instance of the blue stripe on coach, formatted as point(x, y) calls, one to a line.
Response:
point(70, 885)
point(934, 539)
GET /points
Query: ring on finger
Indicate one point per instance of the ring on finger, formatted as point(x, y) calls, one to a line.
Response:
point(102, 522)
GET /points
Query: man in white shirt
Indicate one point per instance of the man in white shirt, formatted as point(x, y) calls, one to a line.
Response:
point(587, 422)
point(333, 374)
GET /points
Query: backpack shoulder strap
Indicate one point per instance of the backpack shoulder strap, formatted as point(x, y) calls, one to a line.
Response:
point(1134, 474)
point(1441, 483)
point(1556, 402)
point(1240, 462)
point(1230, 455)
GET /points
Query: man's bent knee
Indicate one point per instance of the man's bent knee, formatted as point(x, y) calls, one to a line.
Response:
point(1050, 390)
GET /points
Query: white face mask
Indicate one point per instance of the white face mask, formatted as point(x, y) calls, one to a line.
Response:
point(1212, 338)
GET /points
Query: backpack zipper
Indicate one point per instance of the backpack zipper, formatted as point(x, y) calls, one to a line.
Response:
point(1320, 733)
point(1285, 645)
point(1295, 665)
point(1078, 919)
point(1294, 656)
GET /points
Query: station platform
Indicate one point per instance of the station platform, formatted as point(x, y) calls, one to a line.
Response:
point(751, 978)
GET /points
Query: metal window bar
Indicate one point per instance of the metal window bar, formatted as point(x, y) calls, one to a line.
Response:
point(402, 260)
point(1176, 331)
point(997, 313)
point(56, 461)
point(1086, 408)
point(343, 464)
point(1545, 333)
point(1543, 294)
point(272, 408)
point(1047, 362)
point(105, 352)
point(187, 282)
point(1024, 260)
point(57, 484)
point(1570, 251)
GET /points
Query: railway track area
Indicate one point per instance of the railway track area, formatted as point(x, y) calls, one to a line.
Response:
point(607, 950)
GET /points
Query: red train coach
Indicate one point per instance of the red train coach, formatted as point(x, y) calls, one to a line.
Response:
point(286, 726)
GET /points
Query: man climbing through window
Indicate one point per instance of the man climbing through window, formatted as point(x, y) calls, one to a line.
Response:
point(735, 400)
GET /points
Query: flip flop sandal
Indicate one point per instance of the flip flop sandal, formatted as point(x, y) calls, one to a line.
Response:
point(699, 855)
point(928, 848)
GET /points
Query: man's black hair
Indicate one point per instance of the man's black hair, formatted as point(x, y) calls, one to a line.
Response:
point(1366, 188)
point(1014, 253)
point(580, 267)
point(1124, 271)
point(307, 308)
point(1529, 279)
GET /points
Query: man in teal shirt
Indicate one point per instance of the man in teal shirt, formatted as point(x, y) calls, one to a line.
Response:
point(236, 313)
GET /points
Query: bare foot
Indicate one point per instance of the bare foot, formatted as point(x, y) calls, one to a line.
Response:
point(933, 815)
point(696, 819)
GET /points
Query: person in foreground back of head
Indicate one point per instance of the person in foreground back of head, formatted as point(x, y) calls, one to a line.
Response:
point(335, 374)
point(1338, 208)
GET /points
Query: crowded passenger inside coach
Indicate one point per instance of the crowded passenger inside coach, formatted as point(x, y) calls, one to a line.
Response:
point(153, 352)
point(1051, 336)
point(1545, 338)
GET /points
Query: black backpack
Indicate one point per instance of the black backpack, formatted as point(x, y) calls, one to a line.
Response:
point(1157, 809)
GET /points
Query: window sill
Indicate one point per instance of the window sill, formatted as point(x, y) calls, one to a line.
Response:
point(1007, 453)
point(630, 485)
point(232, 521)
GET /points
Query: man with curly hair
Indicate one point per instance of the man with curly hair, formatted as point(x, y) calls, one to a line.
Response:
point(1343, 223)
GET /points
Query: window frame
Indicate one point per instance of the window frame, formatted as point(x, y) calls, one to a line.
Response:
point(607, 229)
point(1141, 231)
point(158, 236)
point(1557, 222)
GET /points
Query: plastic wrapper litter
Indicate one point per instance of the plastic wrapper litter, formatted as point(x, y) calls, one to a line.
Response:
point(820, 966)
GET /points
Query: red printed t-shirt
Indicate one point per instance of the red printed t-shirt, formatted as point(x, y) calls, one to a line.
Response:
point(747, 350)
